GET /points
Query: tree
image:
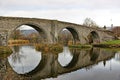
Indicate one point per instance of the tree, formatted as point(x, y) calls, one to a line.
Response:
point(104, 27)
point(116, 31)
point(16, 34)
point(65, 37)
point(34, 37)
point(90, 23)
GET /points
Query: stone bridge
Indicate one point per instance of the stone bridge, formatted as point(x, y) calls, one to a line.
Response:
point(51, 30)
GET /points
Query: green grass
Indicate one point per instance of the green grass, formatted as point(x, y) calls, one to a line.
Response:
point(112, 42)
point(80, 46)
point(109, 44)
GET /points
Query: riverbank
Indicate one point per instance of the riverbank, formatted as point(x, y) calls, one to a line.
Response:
point(5, 51)
point(109, 44)
point(49, 48)
point(80, 46)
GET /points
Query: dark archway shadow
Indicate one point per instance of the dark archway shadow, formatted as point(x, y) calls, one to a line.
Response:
point(93, 37)
point(66, 36)
point(94, 54)
point(74, 34)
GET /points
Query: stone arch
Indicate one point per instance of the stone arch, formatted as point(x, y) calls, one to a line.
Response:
point(93, 37)
point(74, 32)
point(38, 28)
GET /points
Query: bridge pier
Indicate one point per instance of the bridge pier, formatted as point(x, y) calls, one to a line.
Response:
point(54, 30)
point(3, 37)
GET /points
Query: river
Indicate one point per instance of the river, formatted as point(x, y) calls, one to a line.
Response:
point(25, 63)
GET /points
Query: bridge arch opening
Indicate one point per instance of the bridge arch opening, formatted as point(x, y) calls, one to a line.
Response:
point(93, 37)
point(28, 32)
point(68, 36)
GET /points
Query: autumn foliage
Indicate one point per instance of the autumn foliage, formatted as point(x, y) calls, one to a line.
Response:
point(116, 31)
point(49, 48)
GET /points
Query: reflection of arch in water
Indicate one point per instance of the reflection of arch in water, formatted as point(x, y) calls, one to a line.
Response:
point(94, 54)
point(40, 66)
point(23, 61)
point(73, 58)
point(117, 56)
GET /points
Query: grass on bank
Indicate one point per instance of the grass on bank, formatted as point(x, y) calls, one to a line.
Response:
point(109, 44)
point(112, 42)
point(80, 46)
point(5, 51)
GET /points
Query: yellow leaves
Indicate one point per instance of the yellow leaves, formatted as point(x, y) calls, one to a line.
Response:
point(15, 42)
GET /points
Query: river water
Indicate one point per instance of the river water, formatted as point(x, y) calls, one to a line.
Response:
point(25, 63)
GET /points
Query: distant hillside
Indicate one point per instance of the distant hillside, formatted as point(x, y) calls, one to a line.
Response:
point(27, 32)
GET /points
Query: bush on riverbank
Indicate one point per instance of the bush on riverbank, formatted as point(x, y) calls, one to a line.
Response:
point(5, 50)
point(49, 48)
point(12, 42)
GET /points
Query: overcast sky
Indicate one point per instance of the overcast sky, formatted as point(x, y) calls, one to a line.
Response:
point(75, 11)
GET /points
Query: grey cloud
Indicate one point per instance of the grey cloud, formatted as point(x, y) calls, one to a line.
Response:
point(57, 4)
point(67, 10)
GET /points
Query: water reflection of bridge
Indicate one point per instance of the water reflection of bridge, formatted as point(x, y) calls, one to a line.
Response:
point(50, 64)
